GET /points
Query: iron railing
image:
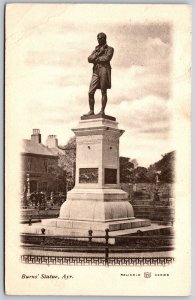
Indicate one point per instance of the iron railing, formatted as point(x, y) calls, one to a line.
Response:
point(107, 245)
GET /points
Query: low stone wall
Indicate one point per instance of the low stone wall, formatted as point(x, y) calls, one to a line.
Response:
point(39, 214)
point(155, 213)
point(146, 190)
point(141, 196)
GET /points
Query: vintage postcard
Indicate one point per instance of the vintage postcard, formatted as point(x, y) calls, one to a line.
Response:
point(97, 149)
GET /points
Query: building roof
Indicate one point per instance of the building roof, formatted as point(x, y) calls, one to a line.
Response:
point(57, 151)
point(32, 147)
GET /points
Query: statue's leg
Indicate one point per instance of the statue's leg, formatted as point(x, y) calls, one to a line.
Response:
point(91, 104)
point(104, 101)
point(92, 89)
point(103, 86)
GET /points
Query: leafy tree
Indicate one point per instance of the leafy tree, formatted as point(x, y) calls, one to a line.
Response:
point(139, 175)
point(135, 163)
point(67, 162)
point(126, 167)
point(166, 166)
point(151, 173)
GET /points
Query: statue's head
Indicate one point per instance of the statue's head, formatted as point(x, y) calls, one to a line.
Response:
point(101, 37)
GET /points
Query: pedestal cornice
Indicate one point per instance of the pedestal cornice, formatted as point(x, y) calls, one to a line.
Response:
point(100, 130)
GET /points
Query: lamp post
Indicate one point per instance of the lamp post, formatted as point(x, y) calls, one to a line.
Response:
point(28, 187)
point(156, 193)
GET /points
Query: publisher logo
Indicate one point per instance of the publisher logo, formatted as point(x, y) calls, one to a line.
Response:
point(147, 274)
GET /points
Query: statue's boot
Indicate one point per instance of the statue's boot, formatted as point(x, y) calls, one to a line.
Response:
point(104, 101)
point(91, 105)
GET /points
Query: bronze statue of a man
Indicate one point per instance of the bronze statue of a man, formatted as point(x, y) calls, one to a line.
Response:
point(101, 78)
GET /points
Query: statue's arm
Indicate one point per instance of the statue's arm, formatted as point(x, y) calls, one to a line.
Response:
point(92, 57)
point(106, 57)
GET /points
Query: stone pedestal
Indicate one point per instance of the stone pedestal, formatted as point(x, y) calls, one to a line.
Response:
point(97, 201)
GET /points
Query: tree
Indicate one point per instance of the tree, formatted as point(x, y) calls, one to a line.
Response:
point(135, 163)
point(151, 173)
point(167, 167)
point(139, 175)
point(67, 162)
point(126, 167)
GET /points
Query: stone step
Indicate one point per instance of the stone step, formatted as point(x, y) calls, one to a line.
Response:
point(91, 225)
point(150, 202)
point(153, 209)
point(149, 213)
point(82, 234)
point(142, 202)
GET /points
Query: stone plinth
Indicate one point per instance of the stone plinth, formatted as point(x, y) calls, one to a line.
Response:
point(98, 116)
point(97, 198)
point(97, 201)
point(96, 205)
point(97, 156)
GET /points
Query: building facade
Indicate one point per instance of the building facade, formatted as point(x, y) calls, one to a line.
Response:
point(39, 166)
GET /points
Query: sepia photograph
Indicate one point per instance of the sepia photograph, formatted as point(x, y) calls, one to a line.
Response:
point(97, 149)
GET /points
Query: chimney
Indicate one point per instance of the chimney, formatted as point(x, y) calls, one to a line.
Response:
point(36, 136)
point(52, 141)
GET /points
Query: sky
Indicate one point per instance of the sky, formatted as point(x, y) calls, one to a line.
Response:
point(48, 48)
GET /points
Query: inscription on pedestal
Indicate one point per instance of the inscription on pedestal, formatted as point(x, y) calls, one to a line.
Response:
point(88, 175)
point(110, 176)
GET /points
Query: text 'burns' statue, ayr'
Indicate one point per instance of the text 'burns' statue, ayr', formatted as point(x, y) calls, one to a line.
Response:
point(101, 78)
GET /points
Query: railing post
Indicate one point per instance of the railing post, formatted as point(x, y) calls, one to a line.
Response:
point(90, 235)
point(43, 238)
point(30, 220)
point(106, 247)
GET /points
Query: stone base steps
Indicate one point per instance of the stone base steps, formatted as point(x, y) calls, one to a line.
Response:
point(154, 212)
point(97, 226)
point(82, 235)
